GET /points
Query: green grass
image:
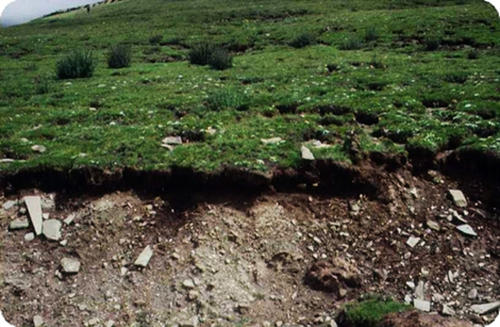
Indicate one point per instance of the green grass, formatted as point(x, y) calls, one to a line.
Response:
point(361, 69)
point(370, 312)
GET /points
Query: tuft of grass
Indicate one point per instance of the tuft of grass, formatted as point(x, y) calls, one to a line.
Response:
point(42, 84)
point(228, 98)
point(201, 53)
point(303, 40)
point(473, 54)
point(220, 59)
point(352, 43)
point(119, 56)
point(77, 64)
point(369, 312)
point(432, 43)
point(155, 39)
point(371, 34)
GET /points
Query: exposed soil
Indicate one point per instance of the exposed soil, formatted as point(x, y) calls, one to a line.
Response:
point(251, 256)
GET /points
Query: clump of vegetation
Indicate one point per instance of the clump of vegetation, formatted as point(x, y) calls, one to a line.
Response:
point(371, 34)
point(303, 40)
point(456, 77)
point(220, 59)
point(120, 56)
point(473, 54)
point(228, 98)
point(370, 312)
point(432, 43)
point(155, 39)
point(42, 84)
point(77, 64)
point(201, 53)
point(352, 43)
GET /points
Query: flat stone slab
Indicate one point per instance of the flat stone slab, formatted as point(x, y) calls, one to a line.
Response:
point(306, 153)
point(485, 308)
point(52, 229)
point(172, 140)
point(34, 205)
point(18, 224)
point(9, 205)
point(272, 140)
point(467, 230)
point(458, 198)
point(412, 241)
point(422, 305)
point(143, 258)
point(70, 266)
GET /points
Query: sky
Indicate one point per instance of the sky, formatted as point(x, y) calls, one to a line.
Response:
point(14, 12)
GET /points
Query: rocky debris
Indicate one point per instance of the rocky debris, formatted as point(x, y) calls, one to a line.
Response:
point(34, 205)
point(18, 224)
point(188, 284)
point(485, 308)
point(69, 219)
point(29, 237)
point(109, 323)
point(412, 241)
point(70, 265)
point(306, 153)
point(447, 311)
point(467, 230)
point(143, 258)
point(416, 319)
point(332, 276)
point(272, 140)
point(458, 198)
point(472, 294)
point(9, 205)
point(52, 229)
point(39, 148)
point(170, 142)
point(37, 321)
point(433, 225)
point(420, 291)
point(422, 305)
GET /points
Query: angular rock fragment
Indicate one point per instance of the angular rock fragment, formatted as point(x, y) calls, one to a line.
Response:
point(417, 319)
point(458, 198)
point(422, 305)
point(485, 308)
point(143, 258)
point(37, 321)
point(69, 219)
point(70, 265)
point(272, 140)
point(306, 153)
point(52, 229)
point(9, 205)
point(34, 205)
point(17, 224)
point(433, 225)
point(412, 241)
point(29, 237)
point(467, 230)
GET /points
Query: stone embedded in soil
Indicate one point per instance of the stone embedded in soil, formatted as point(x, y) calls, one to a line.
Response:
point(467, 230)
point(306, 153)
point(433, 225)
point(412, 241)
point(172, 140)
point(29, 237)
point(69, 219)
point(37, 321)
point(52, 229)
point(70, 265)
point(472, 294)
point(272, 140)
point(458, 198)
point(188, 284)
point(422, 305)
point(9, 205)
point(447, 311)
point(39, 148)
point(34, 205)
point(420, 291)
point(17, 224)
point(485, 308)
point(417, 319)
point(143, 258)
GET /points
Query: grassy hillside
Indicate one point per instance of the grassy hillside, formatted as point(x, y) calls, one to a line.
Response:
point(360, 76)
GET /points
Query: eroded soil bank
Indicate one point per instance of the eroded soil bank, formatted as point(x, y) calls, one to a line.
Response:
point(290, 253)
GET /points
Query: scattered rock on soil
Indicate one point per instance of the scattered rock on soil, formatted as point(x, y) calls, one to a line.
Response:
point(416, 319)
point(433, 225)
point(34, 205)
point(70, 265)
point(412, 241)
point(331, 276)
point(69, 219)
point(272, 140)
point(143, 258)
point(17, 224)
point(52, 229)
point(37, 321)
point(306, 153)
point(485, 308)
point(39, 148)
point(458, 198)
point(9, 205)
point(467, 230)
point(29, 237)
point(422, 305)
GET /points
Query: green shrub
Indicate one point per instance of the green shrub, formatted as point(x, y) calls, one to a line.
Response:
point(371, 34)
point(370, 312)
point(228, 98)
point(473, 54)
point(220, 59)
point(120, 56)
point(155, 39)
point(432, 43)
point(456, 77)
point(42, 84)
point(77, 64)
point(352, 43)
point(201, 53)
point(303, 40)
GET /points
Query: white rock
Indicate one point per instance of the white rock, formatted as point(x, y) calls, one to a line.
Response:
point(485, 308)
point(9, 205)
point(420, 291)
point(70, 265)
point(37, 321)
point(52, 229)
point(109, 323)
point(39, 148)
point(433, 225)
point(33, 203)
point(29, 237)
point(188, 283)
point(472, 294)
point(458, 198)
point(4, 323)
point(412, 241)
point(467, 230)
point(45, 215)
point(272, 140)
point(306, 153)
point(143, 258)
point(422, 305)
point(17, 224)
point(172, 140)
point(69, 219)
point(447, 311)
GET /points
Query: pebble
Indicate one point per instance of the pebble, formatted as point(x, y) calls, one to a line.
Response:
point(272, 140)
point(17, 224)
point(422, 305)
point(467, 230)
point(458, 198)
point(188, 284)
point(29, 237)
point(37, 321)
point(52, 229)
point(306, 153)
point(447, 311)
point(39, 148)
point(412, 241)
point(109, 323)
point(143, 258)
point(69, 219)
point(433, 225)
point(172, 140)
point(9, 205)
point(70, 265)
point(472, 294)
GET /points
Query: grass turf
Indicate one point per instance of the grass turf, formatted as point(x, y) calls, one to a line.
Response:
point(360, 76)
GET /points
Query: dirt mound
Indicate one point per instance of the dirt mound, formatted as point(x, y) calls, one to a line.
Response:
point(415, 319)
